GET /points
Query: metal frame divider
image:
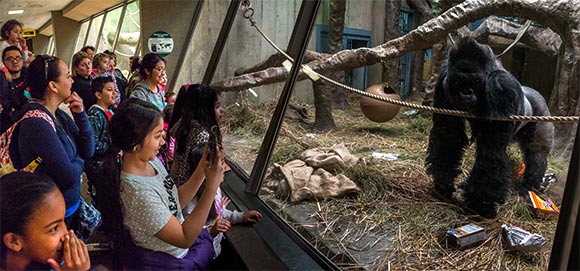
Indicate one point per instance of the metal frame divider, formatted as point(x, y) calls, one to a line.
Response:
point(184, 48)
point(221, 42)
point(121, 19)
point(296, 48)
point(98, 41)
point(566, 237)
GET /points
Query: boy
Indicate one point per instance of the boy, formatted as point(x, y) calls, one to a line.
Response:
point(100, 178)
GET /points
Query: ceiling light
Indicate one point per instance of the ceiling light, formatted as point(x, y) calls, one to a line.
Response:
point(16, 11)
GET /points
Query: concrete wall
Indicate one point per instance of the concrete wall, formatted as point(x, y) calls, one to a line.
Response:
point(65, 34)
point(173, 17)
point(40, 43)
point(246, 48)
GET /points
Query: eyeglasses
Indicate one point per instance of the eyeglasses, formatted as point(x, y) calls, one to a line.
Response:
point(47, 59)
point(13, 59)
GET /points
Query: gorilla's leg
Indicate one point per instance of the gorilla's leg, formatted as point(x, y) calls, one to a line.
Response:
point(446, 143)
point(489, 180)
point(535, 141)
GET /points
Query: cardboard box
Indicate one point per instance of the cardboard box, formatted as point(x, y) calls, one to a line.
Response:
point(543, 207)
point(466, 236)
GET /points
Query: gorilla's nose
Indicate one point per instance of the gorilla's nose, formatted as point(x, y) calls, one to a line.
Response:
point(467, 96)
point(467, 92)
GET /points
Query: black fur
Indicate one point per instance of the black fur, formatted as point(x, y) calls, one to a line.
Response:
point(473, 80)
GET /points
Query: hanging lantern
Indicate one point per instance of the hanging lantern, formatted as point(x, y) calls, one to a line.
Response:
point(379, 111)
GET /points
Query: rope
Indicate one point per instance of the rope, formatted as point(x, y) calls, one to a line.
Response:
point(412, 105)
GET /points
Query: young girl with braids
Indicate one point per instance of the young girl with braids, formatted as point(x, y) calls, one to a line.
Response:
point(34, 236)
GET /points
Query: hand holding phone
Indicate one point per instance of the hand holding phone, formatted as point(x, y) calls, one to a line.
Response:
point(214, 143)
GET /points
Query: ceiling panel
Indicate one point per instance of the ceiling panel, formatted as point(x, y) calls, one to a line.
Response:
point(36, 12)
point(79, 10)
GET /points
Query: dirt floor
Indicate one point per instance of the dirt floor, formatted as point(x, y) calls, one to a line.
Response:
point(396, 222)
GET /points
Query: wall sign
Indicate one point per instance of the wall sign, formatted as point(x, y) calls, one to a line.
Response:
point(160, 43)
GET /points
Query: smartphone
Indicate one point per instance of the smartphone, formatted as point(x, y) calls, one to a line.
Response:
point(214, 142)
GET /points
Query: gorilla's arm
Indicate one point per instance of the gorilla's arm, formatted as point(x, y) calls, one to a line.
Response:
point(446, 143)
point(503, 96)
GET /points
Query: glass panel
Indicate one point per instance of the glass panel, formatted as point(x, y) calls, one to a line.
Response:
point(360, 193)
point(109, 29)
point(94, 31)
point(128, 37)
point(82, 35)
point(246, 49)
point(50, 47)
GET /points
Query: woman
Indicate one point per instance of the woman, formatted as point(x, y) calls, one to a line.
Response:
point(152, 71)
point(197, 109)
point(82, 67)
point(164, 239)
point(34, 236)
point(61, 142)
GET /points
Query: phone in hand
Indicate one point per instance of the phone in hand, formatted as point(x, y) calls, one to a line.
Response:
point(214, 142)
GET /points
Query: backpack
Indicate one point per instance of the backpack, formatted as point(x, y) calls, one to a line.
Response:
point(6, 165)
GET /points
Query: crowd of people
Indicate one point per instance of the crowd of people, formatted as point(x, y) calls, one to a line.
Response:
point(152, 157)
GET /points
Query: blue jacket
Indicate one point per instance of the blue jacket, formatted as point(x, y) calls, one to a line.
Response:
point(63, 153)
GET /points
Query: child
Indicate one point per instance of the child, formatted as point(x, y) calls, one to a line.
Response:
point(99, 176)
point(166, 154)
point(170, 97)
point(34, 235)
point(101, 67)
point(220, 218)
point(197, 109)
point(151, 202)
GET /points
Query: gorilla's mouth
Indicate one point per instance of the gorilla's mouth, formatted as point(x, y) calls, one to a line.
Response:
point(467, 98)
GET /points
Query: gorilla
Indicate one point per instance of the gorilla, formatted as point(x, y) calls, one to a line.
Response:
point(473, 80)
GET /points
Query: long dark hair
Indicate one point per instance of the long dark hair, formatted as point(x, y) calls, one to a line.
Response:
point(195, 105)
point(133, 121)
point(41, 71)
point(21, 194)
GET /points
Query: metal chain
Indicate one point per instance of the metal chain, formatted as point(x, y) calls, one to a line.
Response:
point(406, 104)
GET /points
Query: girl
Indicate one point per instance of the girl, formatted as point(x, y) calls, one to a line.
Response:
point(11, 33)
point(61, 142)
point(152, 203)
point(34, 236)
point(152, 71)
point(197, 109)
point(220, 218)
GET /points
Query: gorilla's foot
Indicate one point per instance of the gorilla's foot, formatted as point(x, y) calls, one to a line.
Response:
point(445, 190)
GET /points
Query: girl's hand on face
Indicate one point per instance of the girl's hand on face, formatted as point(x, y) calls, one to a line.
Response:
point(75, 255)
point(23, 44)
point(75, 103)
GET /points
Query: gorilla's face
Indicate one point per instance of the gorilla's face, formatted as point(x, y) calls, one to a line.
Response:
point(464, 84)
point(466, 74)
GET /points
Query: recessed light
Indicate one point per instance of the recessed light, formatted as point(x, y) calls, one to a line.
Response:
point(16, 11)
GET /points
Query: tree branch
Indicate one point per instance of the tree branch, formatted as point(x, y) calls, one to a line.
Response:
point(562, 17)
